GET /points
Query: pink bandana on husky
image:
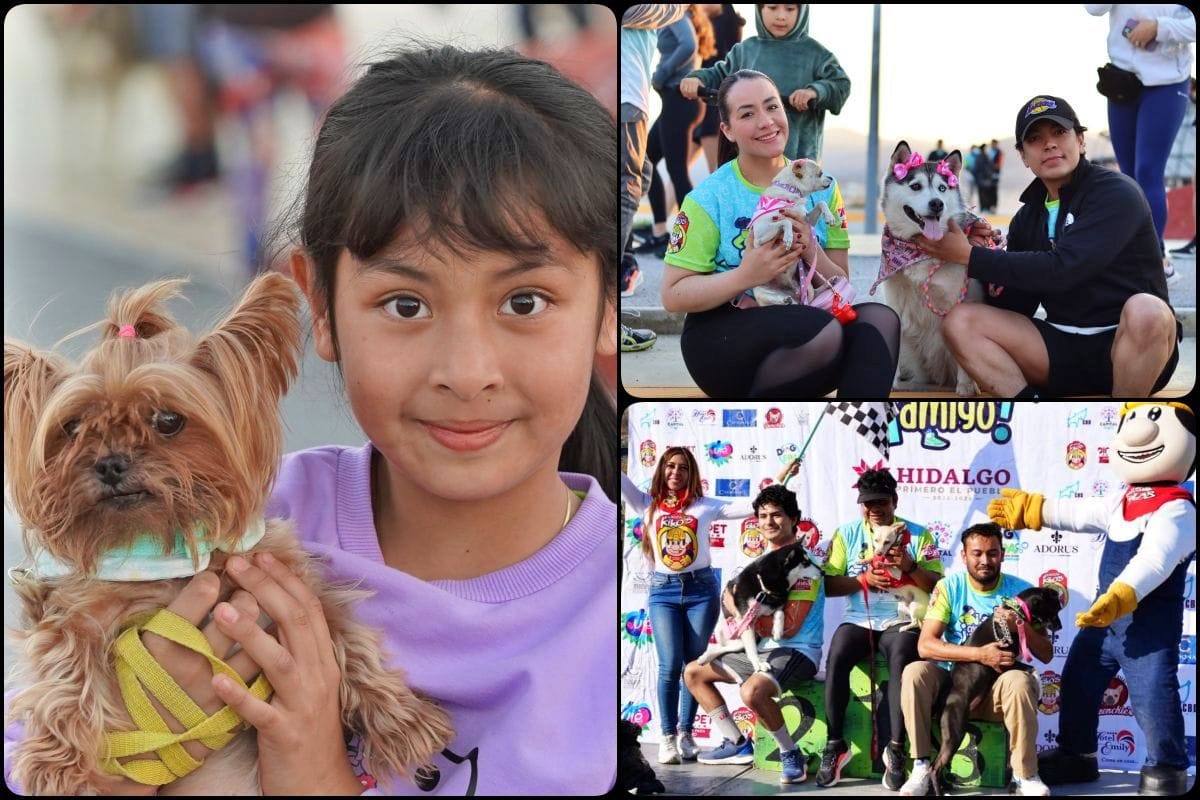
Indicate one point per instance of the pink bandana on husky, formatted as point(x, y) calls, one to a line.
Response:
point(896, 254)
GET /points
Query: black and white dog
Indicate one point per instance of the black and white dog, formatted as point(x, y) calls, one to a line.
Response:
point(760, 589)
point(971, 680)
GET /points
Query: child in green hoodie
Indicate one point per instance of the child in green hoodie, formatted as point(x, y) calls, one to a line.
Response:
point(808, 75)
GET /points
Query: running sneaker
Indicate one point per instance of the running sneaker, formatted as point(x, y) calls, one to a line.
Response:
point(893, 766)
point(918, 784)
point(668, 753)
point(832, 760)
point(687, 747)
point(1032, 787)
point(636, 339)
point(793, 766)
point(631, 282)
point(739, 752)
point(1169, 271)
point(1187, 251)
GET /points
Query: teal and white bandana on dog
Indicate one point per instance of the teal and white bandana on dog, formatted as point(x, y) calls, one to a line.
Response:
point(145, 561)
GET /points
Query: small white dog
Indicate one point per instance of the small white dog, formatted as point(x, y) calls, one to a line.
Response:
point(914, 601)
point(790, 187)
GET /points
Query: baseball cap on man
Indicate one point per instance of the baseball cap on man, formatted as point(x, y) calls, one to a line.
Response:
point(1045, 106)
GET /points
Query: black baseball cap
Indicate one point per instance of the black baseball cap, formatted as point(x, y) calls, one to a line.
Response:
point(875, 484)
point(1045, 106)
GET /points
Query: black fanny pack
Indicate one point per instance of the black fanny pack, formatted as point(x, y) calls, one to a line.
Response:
point(1118, 85)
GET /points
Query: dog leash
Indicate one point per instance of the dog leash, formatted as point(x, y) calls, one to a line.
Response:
point(1015, 604)
point(136, 666)
point(735, 630)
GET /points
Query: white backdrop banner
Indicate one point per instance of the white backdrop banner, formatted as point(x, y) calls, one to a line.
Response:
point(950, 459)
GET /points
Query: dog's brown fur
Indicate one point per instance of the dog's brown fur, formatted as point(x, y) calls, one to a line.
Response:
point(218, 470)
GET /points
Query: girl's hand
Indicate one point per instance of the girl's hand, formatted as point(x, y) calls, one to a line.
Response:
point(763, 264)
point(301, 749)
point(802, 238)
point(1145, 32)
point(801, 98)
point(690, 87)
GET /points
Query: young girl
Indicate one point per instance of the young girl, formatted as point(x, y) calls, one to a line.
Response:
point(457, 249)
point(777, 351)
point(684, 597)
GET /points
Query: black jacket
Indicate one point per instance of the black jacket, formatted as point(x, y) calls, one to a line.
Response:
point(1105, 251)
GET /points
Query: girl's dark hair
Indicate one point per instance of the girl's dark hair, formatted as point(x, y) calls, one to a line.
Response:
point(471, 150)
point(727, 150)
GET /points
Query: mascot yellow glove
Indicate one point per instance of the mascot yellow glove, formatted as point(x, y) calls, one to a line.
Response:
point(1017, 510)
point(1118, 601)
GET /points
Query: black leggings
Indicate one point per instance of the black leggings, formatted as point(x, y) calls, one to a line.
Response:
point(670, 137)
point(851, 645)
point(788, 352)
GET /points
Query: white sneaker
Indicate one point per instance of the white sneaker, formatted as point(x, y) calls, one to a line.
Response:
point(668, 751)
point(687, 747)
point(1032, 787)
point(918, 783)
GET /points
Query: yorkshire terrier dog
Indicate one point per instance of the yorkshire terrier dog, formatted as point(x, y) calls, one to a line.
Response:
point(157, 432)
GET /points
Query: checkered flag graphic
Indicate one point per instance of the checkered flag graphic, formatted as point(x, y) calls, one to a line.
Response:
point(869, 420)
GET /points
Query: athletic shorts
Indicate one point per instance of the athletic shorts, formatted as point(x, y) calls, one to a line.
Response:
point(789, 668)
point(1082, 363)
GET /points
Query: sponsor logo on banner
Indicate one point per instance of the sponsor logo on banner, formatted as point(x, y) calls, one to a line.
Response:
point(1103, 452)
point(733, 487)
point(1057, 548)
point(1078, 418)
point(704, 416)
point(647, 420)
point(752, 454)
point(945, 538)
point(764, 483)
point(1115, 700)
point(949, 482)
point(1187, 650)
point(635, 628)
point(638, 714)
point(719, 452)
point(1099, 488)
point(1054, 576)
point(1051, 687)
point(647, 453)
point(1186, 704)
point(1076, 455)
point(810, 536)
point(1070, 490)
point(716, 534)
point(1013, 546)
point(1120, 745)
point(674, 418)
point(787, 452)
point(1060, 651)
point(751, 540)
point(739, 418)
point(1189, 592)
point(773, 418)
point(935, 421)
point(744, 719)
point(1109, 417)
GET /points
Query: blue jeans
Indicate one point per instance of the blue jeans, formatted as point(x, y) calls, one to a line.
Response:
point(1150, 657)
point(683, 612)
point(1142, 134)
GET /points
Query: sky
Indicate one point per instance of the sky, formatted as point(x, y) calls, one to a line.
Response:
point(961, 71)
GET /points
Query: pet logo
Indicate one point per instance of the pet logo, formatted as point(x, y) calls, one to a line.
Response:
point(677, 541)
point(764, 483)
point(678, 233)
point(1115, 700)
point(751, 540)
point(1040, 105)
point(718, 452)
point(787, 453)
point(1051, 686)
point(648, 453)
point(1076, 455)
point(810, 536)
point(773, 418)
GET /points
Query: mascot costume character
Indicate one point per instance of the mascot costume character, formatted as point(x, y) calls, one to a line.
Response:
point(1136, 622)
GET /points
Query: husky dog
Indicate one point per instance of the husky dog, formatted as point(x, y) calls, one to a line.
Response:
point(791, 187)
point(920, 198)
point(768, 579)
point(914, 601)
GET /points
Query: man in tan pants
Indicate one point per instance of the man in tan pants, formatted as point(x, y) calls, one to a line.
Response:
point(959, 601)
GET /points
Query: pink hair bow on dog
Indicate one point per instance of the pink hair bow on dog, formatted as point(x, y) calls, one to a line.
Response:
point(901, 170)
point(944, 170)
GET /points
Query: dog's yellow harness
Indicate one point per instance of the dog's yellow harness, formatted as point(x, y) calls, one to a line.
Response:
point(135, 667)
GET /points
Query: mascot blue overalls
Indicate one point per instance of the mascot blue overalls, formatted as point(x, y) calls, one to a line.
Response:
point(1136, 622)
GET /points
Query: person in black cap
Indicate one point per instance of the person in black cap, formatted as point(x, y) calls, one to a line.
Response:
point(1084, 246)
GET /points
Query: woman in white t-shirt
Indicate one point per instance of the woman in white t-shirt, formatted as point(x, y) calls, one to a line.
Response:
point(684, 600)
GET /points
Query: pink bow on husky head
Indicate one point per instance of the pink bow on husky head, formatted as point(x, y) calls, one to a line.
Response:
point(901, 170)
point(944, 170)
